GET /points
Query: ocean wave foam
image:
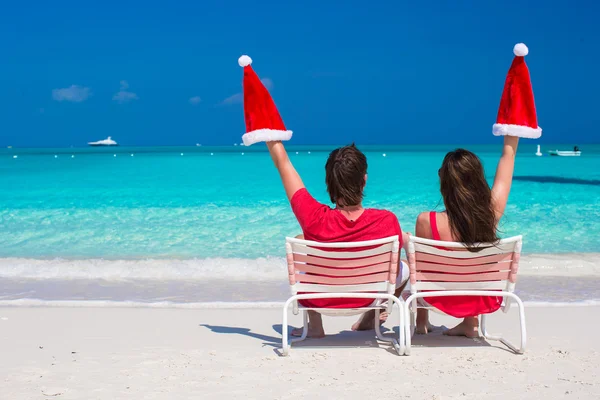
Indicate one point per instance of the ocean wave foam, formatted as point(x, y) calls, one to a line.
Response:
point(267, 268)
point(26, 302)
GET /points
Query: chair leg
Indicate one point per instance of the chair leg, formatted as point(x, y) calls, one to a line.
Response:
point(378, 333)
point(408, 327)
point(397, 343)
point(285, 347)
point(413, 319)
point(523, 327)
point(403, 323)
point(484, 330)
point(488, 336)
point(304, 329)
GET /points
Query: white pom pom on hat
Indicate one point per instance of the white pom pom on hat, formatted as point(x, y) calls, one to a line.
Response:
point(520, 50)
point(244, 61)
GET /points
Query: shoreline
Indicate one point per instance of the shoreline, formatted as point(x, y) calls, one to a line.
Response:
point(220, 305)
point(545, 279)
point(202, 283)
point(154, 292)
point(260, 268)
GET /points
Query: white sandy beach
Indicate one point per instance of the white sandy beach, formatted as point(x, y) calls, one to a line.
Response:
point(137, 353)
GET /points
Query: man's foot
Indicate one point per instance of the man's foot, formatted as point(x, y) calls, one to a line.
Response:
point(315, 327)
point(469, 328)
point(313, 332)
point(366, 322)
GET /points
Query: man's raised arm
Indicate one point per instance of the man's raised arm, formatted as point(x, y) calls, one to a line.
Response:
point(290, 178)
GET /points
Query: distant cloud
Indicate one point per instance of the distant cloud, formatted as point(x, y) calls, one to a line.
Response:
point(74, 93)
point(268, 83)
point(238, 98)
point(124, 96)
point(195, 100)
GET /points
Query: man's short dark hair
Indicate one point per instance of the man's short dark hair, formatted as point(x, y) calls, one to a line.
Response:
point(345, 172)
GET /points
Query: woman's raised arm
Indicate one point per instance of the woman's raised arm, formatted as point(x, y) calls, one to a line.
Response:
point(504, 175)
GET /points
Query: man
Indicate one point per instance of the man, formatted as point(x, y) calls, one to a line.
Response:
point(346, 177)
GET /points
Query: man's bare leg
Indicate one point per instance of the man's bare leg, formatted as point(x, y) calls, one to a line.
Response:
point(315, 326)
point(423, 326)
point(469, 328)
point(366, 322)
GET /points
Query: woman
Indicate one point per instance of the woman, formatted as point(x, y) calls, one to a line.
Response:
point(471, 216)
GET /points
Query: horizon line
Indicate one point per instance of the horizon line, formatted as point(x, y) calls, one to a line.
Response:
point(196, 146)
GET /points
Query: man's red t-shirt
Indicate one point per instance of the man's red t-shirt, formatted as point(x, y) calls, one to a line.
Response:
point(324, 224)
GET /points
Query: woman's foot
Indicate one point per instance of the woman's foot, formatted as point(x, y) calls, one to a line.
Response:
point(366, 322)
point(315, 327)
point(469, 328)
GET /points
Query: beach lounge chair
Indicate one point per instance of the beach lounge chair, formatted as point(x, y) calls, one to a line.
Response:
point(365, 269)
point(440, 268)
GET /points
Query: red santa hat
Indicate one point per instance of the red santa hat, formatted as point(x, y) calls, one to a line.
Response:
point(263, 122)
point(516, 115)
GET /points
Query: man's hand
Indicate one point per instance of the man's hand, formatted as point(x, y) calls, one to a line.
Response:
point(290, 178)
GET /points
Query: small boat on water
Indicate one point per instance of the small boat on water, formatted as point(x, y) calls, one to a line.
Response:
point(566, 153)
point(539, 151)
point(106, 142)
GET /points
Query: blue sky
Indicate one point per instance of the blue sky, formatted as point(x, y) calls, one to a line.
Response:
point(166, 73)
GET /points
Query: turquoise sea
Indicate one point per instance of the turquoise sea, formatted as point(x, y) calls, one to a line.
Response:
point(149, 224)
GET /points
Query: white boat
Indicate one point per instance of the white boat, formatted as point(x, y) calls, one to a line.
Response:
point(106, 142)
point(566, 153)
point(539, 152)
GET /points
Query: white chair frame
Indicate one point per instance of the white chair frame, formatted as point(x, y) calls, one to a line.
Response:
point(299, 250)
point(502, 288)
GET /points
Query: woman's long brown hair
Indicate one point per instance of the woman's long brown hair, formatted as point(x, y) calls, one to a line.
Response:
point(468, 199)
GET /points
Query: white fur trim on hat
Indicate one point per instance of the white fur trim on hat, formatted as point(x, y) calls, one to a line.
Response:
point(244, 61)
point(265, 135)
point(520, 50)
point(516, 130)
